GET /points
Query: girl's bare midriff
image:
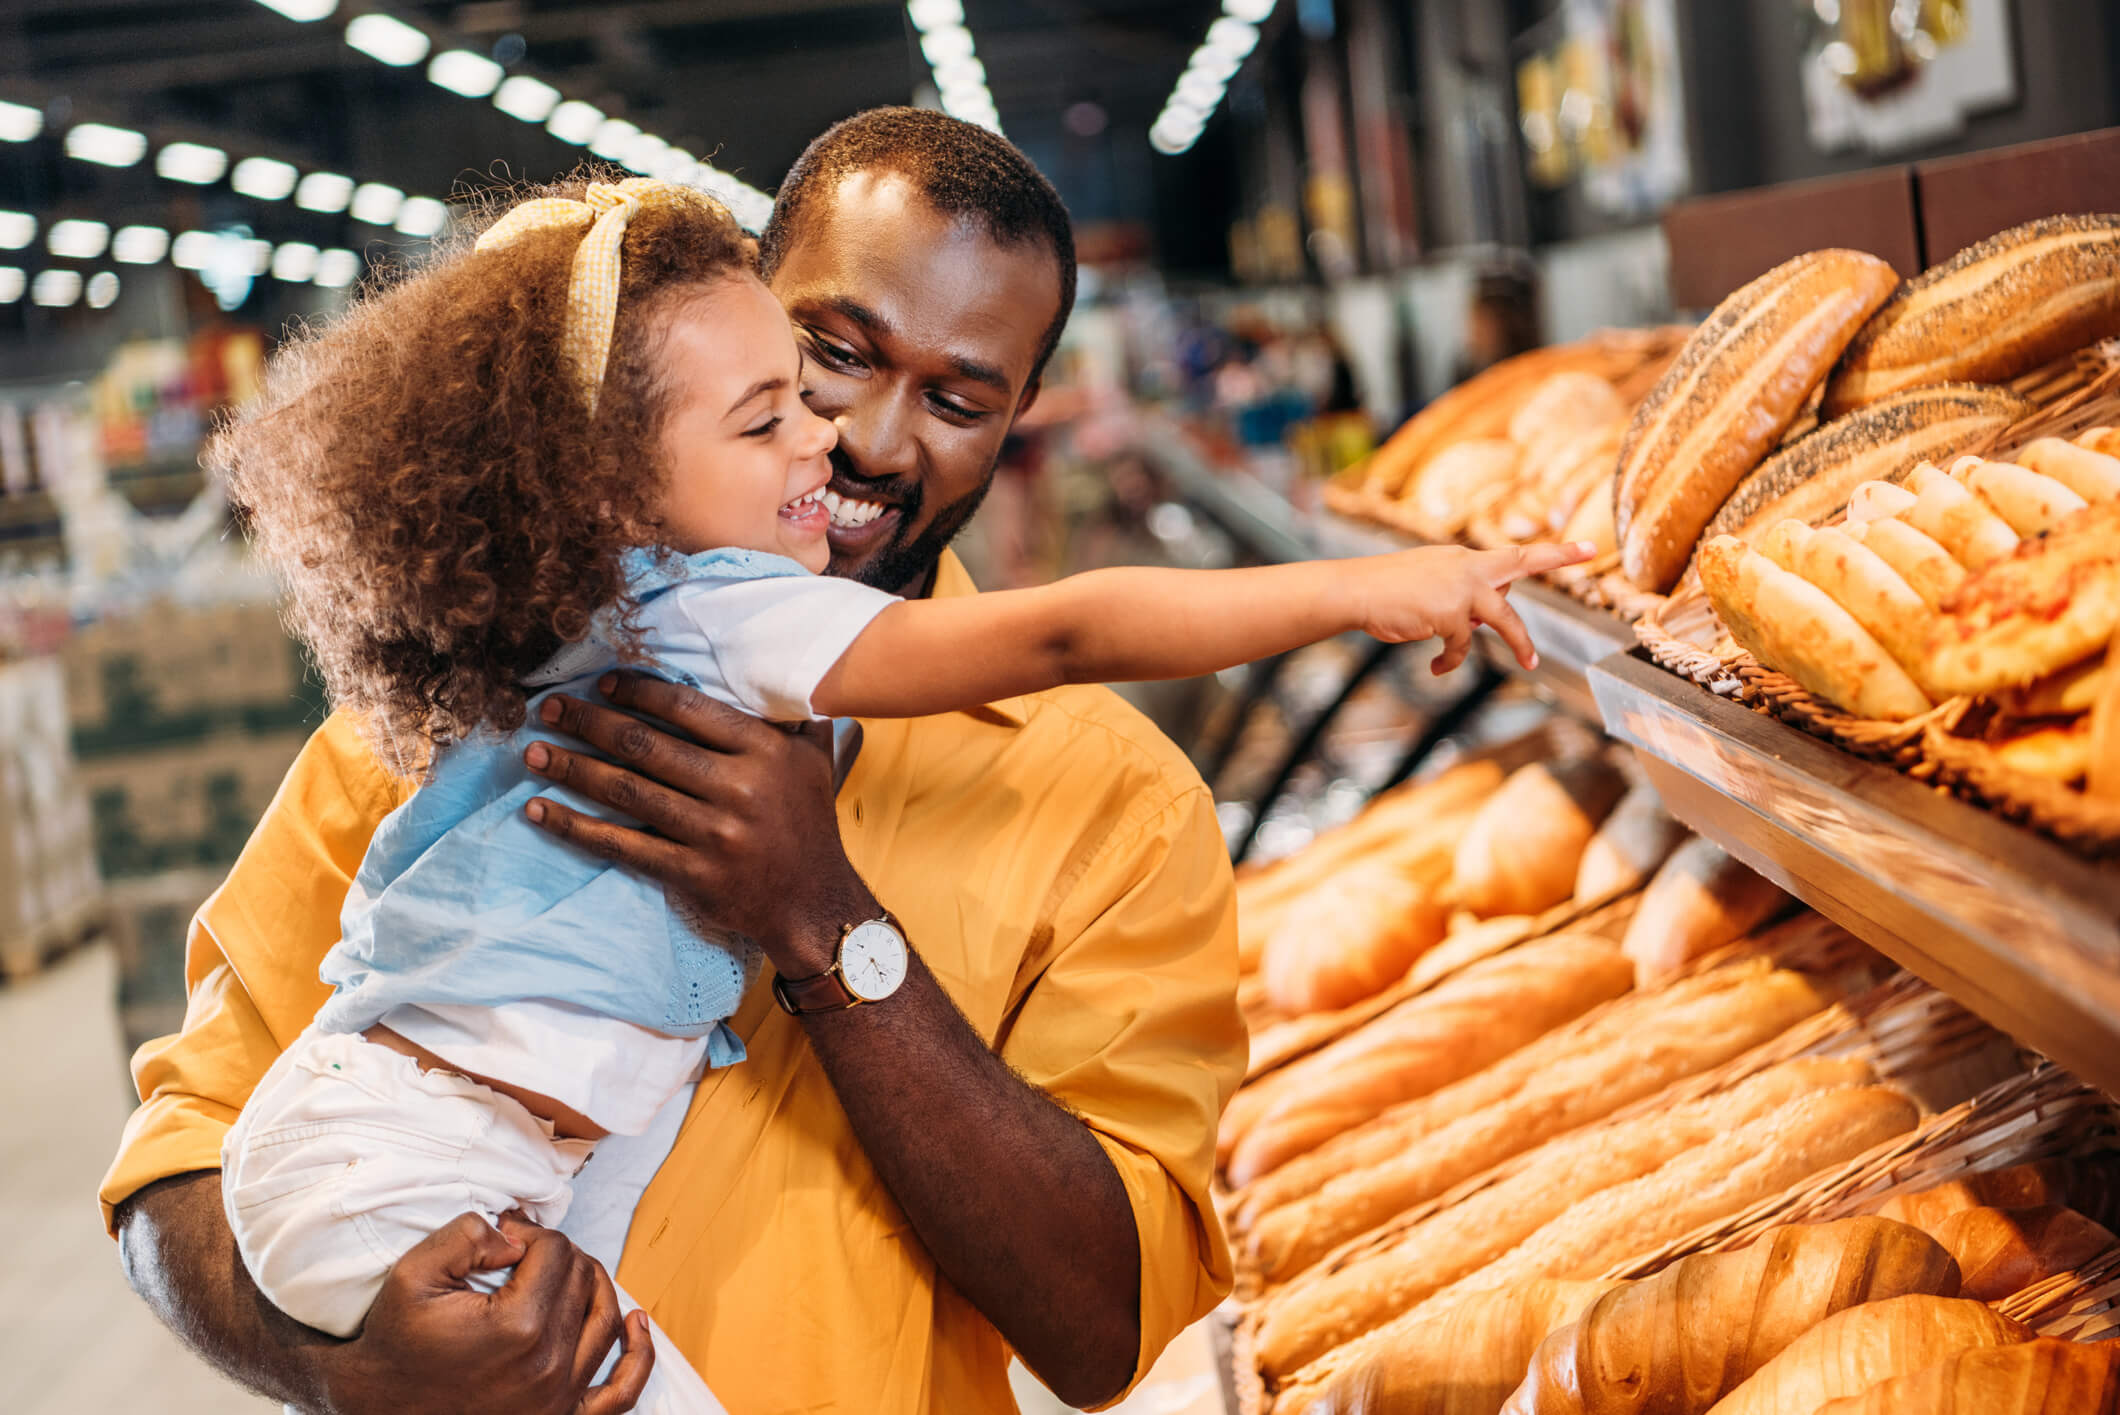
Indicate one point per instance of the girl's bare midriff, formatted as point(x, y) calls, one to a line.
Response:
point(566, 1122)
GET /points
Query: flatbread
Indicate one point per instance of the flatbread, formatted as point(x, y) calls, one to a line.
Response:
point(2032, 504)
point(2054, 603)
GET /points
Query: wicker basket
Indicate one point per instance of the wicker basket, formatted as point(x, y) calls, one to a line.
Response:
point(1959, 760)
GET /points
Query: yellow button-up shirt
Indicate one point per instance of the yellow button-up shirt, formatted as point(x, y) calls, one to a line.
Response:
point(1057, 864)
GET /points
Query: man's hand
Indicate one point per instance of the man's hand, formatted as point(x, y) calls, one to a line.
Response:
point(743, 821)
point(431, 1342)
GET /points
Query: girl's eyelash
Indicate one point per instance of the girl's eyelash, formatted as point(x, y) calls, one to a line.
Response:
point(764, 429)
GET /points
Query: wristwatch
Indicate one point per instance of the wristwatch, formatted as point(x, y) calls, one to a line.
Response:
point(869, 967)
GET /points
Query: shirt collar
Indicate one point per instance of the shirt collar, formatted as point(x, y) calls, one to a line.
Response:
point(951, 581)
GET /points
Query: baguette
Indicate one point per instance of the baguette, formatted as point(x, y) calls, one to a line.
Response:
point(2031, 504)
point(2094, 476)
point(1734, 389)
point(1310, 1318)
point(2052, 604)
point(1996, 309)
point(1676, 1343)
point(1351, 940)
point(1466, 1022)
point(1636, 838)
point(2088, 1184)
point(1407, 1124)
point(1520, 854)
point(1723, 1177)
point(1813, 478)
point(1700, 900)
point(1881, 601)
point(1926, 566)
point(1597, 1083)
point(1851, 1351)
point(1958, 520)
point(2001, 1252)
point(2043, 1377)
point(1462, 1358)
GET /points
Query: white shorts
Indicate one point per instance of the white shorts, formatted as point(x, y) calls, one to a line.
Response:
point(348, 1154)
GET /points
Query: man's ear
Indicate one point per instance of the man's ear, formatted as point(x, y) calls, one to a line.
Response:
point(1030, 396)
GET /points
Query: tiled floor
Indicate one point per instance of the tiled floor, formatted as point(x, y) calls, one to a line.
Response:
point(73, 1338)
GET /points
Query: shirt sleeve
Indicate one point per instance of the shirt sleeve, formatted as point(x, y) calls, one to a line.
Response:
point(1133, 1025)
point(250, 964)
point(772, 640)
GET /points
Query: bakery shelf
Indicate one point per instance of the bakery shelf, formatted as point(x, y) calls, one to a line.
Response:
point(2013, 926)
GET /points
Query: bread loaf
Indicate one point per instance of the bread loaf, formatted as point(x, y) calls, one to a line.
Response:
point(2044, 1377)
point(1520, 854)
point(1996, 309)
point(2089, 1184)
point(2001, 1252)
point(1734, 389)
point(1713, 1181)
point(1851, 1351)
point(1480, 407)
point(2030, 503)
point(1312, 1317)
point(1814, 477)
point(2094, 476)
point(1460, 1359)
point(1721, 991)
point(1676, 1343)
point(1596, 1083)
point(1636, 838)
point(1480, 1015)
point(1351, 939)
point(2053, 603)
point(1926, 566)
point(1591, 521)
point(1700, 900)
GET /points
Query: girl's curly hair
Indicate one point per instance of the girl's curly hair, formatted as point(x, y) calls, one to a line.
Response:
point(425, 475)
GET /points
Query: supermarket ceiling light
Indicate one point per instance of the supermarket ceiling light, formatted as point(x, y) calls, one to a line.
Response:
point(1199, 90)
point(929, 15)
point(56, 289)
point(295, 261)
point(265, 178)
point(191, 162)
point(387, 39)
point(461, 71)
point(642, 152)
point(12, 283)
point(613, 138)
point(17, 229)
point(1233, 37)
point(193, 250)
point(102, 290)
point(19, 122)
point(77, 240)
point(960, 79)
point(1251, 12)
point(376, 203)
point(101, 143)
point(139, 245)
point(336, 269)
point(531, 100)
point(575, 121)
point(324, 191)
point(423, 216)
point(304, 10)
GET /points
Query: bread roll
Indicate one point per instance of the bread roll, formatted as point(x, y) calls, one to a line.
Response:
point(1881, 601)
point(1958, 520)
point(1462, 480)
point(2043, 1377)
point(1352, 939)
point(2102, 771)
point(2089, 1184)
point(1683, 1042)
point(1926, 566)
point(1700, 900)
point(1521, 852)
point(2001, 1252)
point(1462, 1358)
point(1875, 500)
point(1851, 1351)
point(1312, 1317)
point(1784, 543)
point(1464, 1023)
point(1996, 309)
point(1676, 1343)
point(2030, 503)
point(1636, 838)
point(1711, 1182)
point(2094, 476)
point(2052, 604)
point(1592, 521)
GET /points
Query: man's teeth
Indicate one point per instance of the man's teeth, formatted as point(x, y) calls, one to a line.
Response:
point(809, 500)
point(847, 512)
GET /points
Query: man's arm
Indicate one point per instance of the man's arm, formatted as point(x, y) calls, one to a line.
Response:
point(1016, 1200)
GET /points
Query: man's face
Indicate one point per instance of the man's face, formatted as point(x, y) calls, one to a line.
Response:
point(918, 335)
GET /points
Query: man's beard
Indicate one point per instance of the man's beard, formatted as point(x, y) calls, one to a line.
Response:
point(906, 567)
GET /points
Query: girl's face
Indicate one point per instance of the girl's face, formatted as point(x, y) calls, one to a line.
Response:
point(746, 458)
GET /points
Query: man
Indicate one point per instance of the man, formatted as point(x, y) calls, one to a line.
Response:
point(1009, 1153)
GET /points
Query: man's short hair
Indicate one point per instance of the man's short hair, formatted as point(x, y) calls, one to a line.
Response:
point(960, 168)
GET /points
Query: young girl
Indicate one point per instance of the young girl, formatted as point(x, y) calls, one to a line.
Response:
point(581, 443)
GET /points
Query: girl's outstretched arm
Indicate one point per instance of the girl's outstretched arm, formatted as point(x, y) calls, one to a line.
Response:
point(1134, 624)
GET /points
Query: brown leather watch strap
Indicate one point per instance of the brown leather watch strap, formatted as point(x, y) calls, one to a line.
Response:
point(823, 992)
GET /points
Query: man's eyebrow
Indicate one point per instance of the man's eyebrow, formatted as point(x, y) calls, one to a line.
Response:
point(861, 314)
point(764, 385)
point(981, 373)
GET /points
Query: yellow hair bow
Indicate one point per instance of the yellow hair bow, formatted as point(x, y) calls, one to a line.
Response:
point(592, 289)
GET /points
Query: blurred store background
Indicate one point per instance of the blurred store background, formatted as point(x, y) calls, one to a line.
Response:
point(1300, 221)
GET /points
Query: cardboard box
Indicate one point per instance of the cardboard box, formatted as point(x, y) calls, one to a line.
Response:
point(184, 805)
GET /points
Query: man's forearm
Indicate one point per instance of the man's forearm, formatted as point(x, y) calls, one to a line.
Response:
point(179, 1255)
point(1011, 1194)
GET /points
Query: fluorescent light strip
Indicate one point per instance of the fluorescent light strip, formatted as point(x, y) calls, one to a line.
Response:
point(1199, 90)
point(387, 39)
point(102, 290)
point(19, 122)
point(303, 10)
point(336, 269)
point(77, 240)
point(139, 245)
point(12, 283)
point(264, 178)
point(462, 72)
point(55, 289)
point(575, 121)
point(531, 100)
point(191, 162)
point(324, 191)
point(423, 216)
point(105, 145)
point(17, 229)
point(960, 79)
point(376, 203)
point(295, 262)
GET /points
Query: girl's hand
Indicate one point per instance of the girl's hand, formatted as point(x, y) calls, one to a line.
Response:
point(1445, 592)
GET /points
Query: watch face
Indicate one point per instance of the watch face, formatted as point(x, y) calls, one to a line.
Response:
point(872, 961)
